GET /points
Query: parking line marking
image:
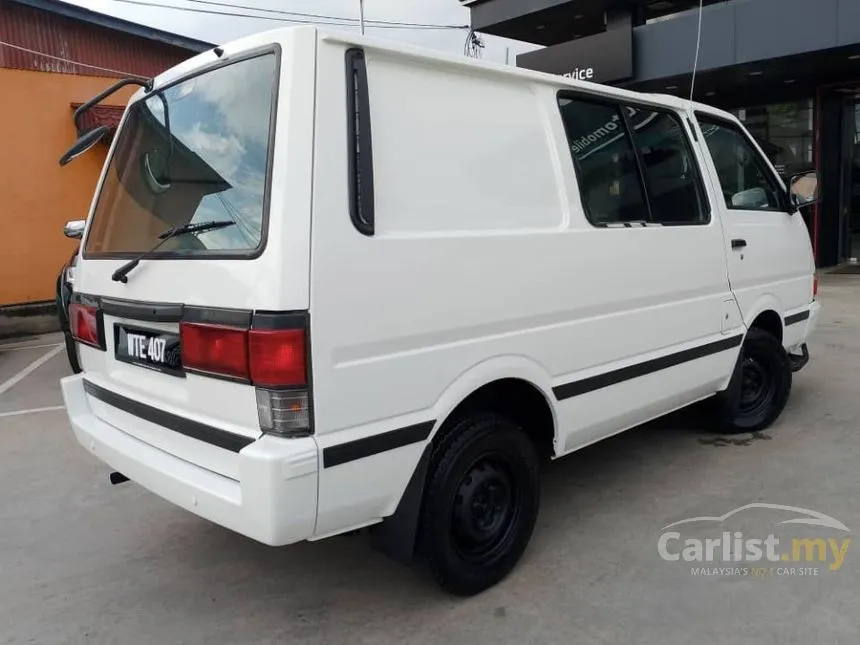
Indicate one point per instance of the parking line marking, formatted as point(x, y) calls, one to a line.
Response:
point(18, 348)
point(32, 367)
point(16, 413)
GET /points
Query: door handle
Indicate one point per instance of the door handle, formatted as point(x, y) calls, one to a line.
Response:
point(738, 244)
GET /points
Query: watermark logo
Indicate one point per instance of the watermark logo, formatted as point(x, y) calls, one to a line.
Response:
point(738, 553)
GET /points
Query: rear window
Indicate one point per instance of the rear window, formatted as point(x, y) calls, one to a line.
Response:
point(197, 151)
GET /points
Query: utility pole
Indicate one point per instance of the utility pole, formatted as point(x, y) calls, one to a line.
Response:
point(361, 15)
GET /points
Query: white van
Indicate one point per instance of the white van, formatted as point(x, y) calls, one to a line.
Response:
point(329, 283)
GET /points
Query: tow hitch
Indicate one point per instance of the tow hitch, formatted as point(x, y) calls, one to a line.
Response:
point(798, 362)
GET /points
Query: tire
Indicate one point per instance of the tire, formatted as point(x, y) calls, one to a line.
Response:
point(480, 503)
point(72, 353)
point(764, 388)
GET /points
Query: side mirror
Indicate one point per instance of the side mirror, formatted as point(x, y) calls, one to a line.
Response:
point(803, 189)
point(86, 141)
point(74, 230)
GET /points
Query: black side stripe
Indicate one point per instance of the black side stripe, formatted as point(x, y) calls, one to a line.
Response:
point(193, 429)
point(600, 381)
point(361, 448)
point(796, 318)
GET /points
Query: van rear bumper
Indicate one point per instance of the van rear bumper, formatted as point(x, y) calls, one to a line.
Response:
point(274, 501)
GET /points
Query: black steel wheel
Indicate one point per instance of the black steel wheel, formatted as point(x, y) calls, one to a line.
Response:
point(480, 503)
point(486, 508)
point(765, 385)
point(757, 390)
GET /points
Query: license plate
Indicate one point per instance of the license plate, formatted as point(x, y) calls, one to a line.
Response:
point(157, 350)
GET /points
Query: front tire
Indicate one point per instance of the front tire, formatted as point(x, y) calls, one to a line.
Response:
point(480, 504)
point(765, 384)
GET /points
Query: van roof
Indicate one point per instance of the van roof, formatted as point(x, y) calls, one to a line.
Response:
point(450, 60)
point(553, 80)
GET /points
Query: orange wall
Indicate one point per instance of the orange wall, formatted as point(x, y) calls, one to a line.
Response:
point(37, 196)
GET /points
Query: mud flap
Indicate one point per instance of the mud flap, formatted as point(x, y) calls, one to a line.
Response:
point(799, 362)
point(396, 535)
point(730, 398)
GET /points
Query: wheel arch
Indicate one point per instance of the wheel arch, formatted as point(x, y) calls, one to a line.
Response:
point(396, 535)
point(767, 313)
point(769, 321)
point(503, 372)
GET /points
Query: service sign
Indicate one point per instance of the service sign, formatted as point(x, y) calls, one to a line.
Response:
point(603, 58)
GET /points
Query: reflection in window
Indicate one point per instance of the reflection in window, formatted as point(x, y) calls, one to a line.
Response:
point(785, 131)
point(745, 180)
point(606, 165)
point(196, 152)
point(675, 193)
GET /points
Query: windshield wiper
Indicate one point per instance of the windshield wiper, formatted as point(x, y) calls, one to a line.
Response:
point(120, 275)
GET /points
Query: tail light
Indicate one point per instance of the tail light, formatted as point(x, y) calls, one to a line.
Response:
point(273, 360)
point(215, 349)
point(86, 325)
point(284, 412)
point(277, 357)
point(815, 287)
point(278, 360)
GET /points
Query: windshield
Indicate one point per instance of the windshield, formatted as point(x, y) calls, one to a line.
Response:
point(197, 151)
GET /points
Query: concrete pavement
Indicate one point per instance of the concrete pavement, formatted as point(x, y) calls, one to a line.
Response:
point(84, 562)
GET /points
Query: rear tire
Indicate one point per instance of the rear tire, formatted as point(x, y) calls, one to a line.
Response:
point(72, 353)
point(480, 504)
point(764, 388)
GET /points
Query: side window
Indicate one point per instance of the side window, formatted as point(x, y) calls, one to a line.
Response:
point(675, 191)
point(605, 163)
point(746, 182)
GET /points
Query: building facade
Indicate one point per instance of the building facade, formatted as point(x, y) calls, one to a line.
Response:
point(40, 88)
point(789, 69)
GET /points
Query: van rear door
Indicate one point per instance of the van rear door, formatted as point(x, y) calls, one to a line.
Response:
point(167, 346)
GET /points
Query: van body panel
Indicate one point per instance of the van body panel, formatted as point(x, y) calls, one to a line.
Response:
point(482, 266)
point(450, 279)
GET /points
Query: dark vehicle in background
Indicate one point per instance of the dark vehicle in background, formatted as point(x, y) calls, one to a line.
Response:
point(65, 286)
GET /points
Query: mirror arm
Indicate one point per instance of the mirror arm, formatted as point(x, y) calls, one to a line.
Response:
point(145, 83)
point(791, 203)
point(169, 135)
point(793, 208)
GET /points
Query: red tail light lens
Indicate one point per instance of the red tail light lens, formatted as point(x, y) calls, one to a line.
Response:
point(815, 287)
point(270, 359)
point(84, 324)
point(216, 349)
point(277, 357)
point(265, 357)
